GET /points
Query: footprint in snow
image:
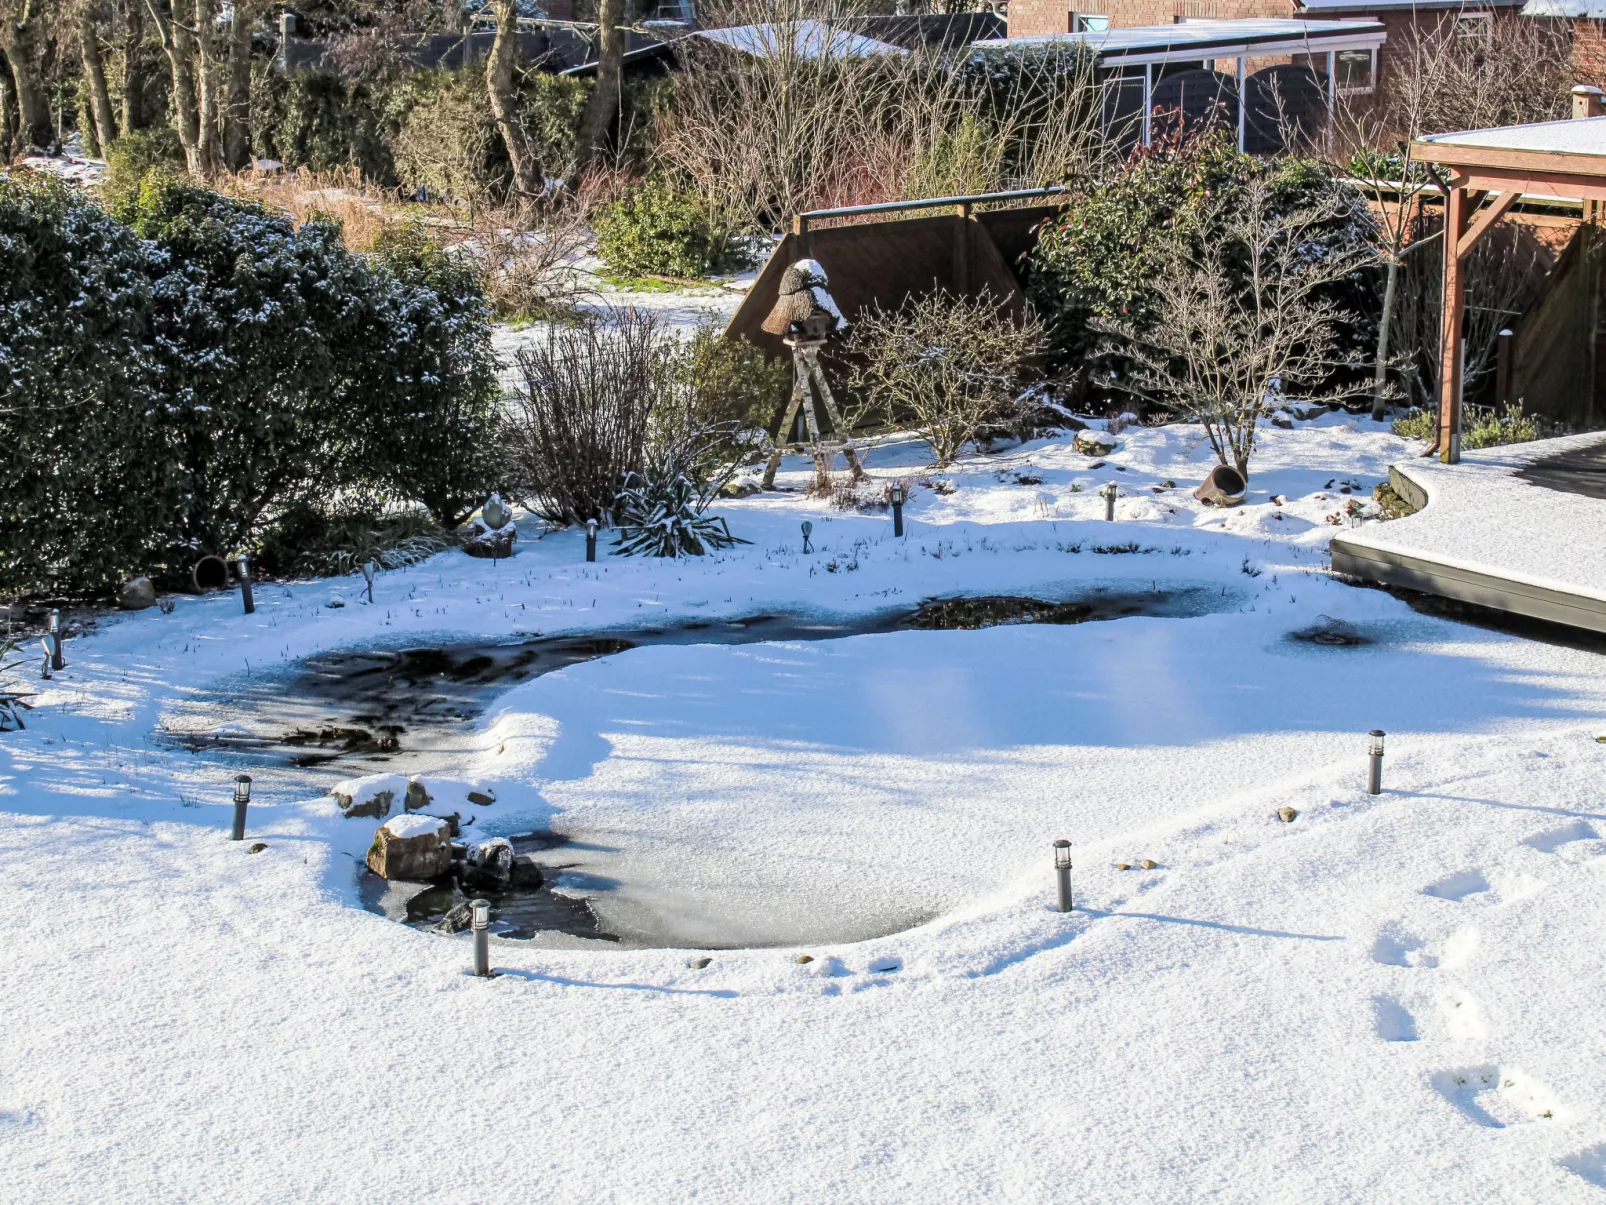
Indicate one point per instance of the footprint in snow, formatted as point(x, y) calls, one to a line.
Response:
point(1393, 1020)
point(1558, 840)
point(1588, 1164)
point(1485, 890)
point(1497, 1097)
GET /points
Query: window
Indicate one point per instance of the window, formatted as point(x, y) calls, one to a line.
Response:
point(1088, 23)
point(1355, 70)
point(1474, 27)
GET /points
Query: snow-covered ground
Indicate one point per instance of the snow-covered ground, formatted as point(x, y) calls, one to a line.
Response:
point(1389, 999)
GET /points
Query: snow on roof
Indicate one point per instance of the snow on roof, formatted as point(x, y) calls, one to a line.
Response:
point(1564, 8)
point(1197, 36)
point(1585, 136)
point(810, 39)
point(1370, 6)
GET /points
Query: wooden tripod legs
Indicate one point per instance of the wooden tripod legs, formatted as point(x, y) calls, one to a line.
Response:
point(806, 371)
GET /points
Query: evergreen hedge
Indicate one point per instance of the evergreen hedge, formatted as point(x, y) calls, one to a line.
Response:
point(174, 372)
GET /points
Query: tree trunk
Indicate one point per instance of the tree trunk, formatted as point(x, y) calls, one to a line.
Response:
point(602, 106)
point(527, 176)
point(19, 40)
point(100, 100)
point(1380, 369)
point(8, 112)
point(209, 77)
point(179, 47)
point(133, 65)
point(237, 116)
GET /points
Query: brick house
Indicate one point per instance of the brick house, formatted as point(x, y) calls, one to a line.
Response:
point(1588, 21)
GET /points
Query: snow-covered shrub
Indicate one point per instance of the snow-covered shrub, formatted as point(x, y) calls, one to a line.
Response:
point(80, 481)
point(949, 365)
point(307, 541)
point(171, 379)
point(659, 229)
point(578, 423)
point(660, 510)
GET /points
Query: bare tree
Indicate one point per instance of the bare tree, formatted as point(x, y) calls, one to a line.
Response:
point(951, 365)
point(133, 48)
point(90, 25)
point(1244, 318)
point(22, 43)
point(499, 83)
point(602, 106)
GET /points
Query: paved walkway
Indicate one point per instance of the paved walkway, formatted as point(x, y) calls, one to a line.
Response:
point(1520, 528)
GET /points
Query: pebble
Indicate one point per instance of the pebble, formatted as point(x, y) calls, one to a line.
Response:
point(1123, 866)
point(1148, 863)
point(258, 847)
point(1286, 815)
point(802, 958)
point(698, 964)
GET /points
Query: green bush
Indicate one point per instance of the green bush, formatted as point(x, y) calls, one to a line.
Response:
point(1481, 426)
point(316, 119)
point(170, 381)
point(730, 387)
point(134, 158)
point(1099, 257)
point(657, 229)
point(306, 540)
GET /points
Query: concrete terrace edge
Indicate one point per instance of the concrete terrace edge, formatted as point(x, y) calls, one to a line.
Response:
point(1449, 577)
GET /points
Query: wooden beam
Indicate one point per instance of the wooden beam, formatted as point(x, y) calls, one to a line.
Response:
point(1486, 219)
point(1556, 184)
point(1508, 159)
point(1454, 306)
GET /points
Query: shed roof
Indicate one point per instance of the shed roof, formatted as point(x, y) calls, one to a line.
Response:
point(1208, 39)
point(1595, 9)
point(1586, 136)
point(1379, 6)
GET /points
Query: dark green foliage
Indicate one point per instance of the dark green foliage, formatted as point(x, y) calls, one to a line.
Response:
point(315, 119)
point(434, 433)
point(1097, 260)
point(658, 229)
point(78, 488)
point(12, 702)
point(660, 510)
point(134, 158)
point(309, 541)
point(172, 380)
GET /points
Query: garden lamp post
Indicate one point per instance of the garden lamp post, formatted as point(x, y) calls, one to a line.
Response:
point(244, 566)
point(1374, 773)
point(368, 576)
point(897, 508)
point(591, 539)
point(1108, 493)
point(482, 936)
point(57, 659)
point(1062, 871)
point(242, 800)
point(808, 530)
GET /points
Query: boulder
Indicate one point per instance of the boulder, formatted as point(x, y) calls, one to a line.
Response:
point(489, 864)
point(457, 920)
point(1094, 443)
point(483, 798)
point(411, 847)
point(490, 543)
point(527, 871)
point(356, 807)
point(417, 798)
point(137, 594)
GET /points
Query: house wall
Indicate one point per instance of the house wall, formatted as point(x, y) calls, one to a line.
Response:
point(1589, 50)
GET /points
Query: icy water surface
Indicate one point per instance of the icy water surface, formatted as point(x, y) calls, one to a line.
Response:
point(412, 709)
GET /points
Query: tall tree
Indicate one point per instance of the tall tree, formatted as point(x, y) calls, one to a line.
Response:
point(178, 43)
point(100, 101)
point(602, 106)
point(133, 65)
point(22, 41)
point(237, 106)
point(527, 176)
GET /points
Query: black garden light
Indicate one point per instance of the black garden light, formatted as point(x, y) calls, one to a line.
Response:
point(242, 800)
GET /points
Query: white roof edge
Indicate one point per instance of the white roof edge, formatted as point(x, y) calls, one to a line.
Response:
point(1577, 136)
point(1564, 8)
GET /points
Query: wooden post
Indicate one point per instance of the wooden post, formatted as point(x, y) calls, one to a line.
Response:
point(1453, 308)
point(1502, 368)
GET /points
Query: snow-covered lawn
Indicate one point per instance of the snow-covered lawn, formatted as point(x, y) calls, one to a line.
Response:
point(1390, 999)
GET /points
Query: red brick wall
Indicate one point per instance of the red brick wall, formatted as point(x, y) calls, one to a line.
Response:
point(1589, 51)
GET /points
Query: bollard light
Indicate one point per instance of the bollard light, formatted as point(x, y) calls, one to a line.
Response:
point(591, 539)
point(481, 924)
point(1062, 871)
point(58, 659)
point(244, 566)
point(897, 508)
point(808, 530)
point(368, 575)
point(1109, 502)
point(242, 800)
point(1374, 776)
